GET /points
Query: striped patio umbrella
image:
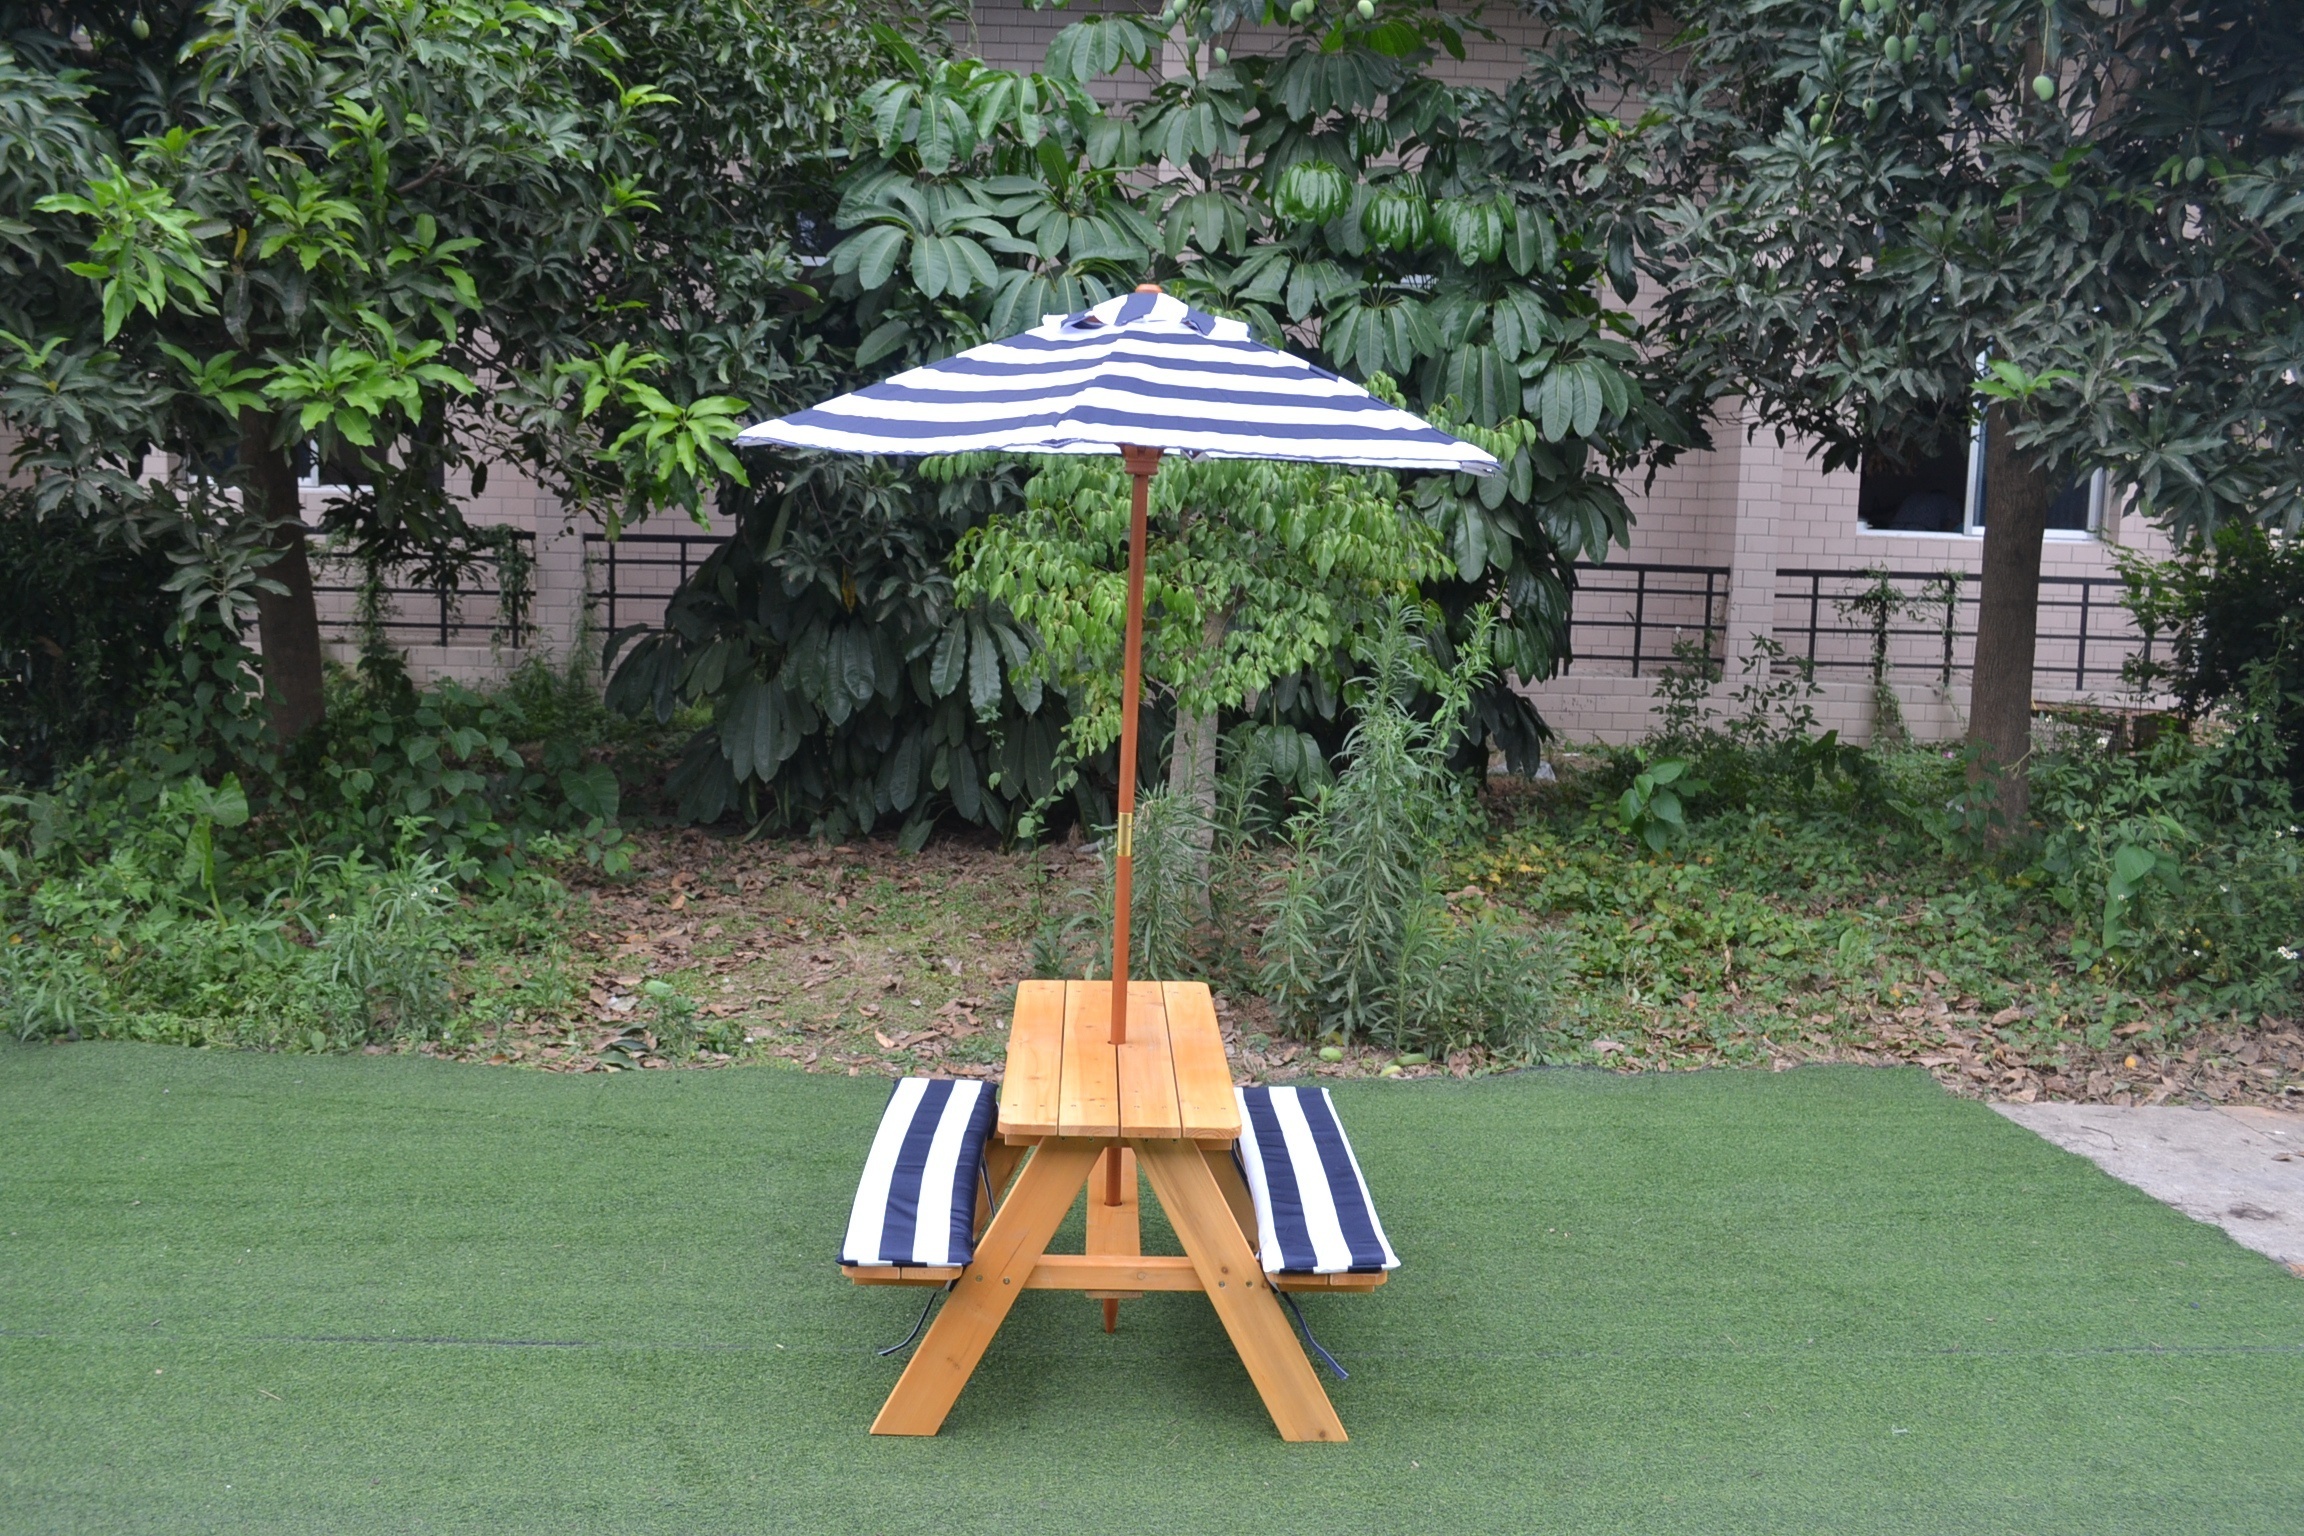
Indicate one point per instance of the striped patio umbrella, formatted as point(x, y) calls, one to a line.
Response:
point(1140, 375)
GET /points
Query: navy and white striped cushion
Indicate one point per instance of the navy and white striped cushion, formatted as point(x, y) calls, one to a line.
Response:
point(1313, 1213)
point(917, 1201)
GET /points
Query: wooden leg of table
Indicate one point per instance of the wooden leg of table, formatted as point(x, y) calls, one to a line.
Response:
point(987, 1288)
point(1244, 1300)
point(1113, 1219)
point(1235, 1190)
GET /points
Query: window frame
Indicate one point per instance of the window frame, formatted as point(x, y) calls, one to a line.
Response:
point(1971, 505)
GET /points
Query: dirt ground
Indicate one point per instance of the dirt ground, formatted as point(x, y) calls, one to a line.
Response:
point(861, 958)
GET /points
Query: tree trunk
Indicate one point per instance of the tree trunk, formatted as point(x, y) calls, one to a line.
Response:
point(2016, 498)
point(287, 623)
point(1192, 773)
point(1192, 761)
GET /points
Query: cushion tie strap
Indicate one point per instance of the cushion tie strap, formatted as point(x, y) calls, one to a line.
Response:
point(1330, 1360)
point(905, 1342)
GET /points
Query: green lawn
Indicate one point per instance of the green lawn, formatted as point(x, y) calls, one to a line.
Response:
point(261, 1293)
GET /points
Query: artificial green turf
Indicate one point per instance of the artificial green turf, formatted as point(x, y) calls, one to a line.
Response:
point(259, 1293)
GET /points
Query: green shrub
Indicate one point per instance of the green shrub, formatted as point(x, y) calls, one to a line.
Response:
point(842, 685)
point(302, 901)
point(1761, 751)
point(84, 622)
point(1361, 944)
point(2222, 608)
point(141, 946)
point(481, 777)
point(2180, 867)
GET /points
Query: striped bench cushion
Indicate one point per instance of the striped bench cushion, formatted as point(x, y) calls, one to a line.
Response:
point(1313, 1213)
point(917, 1201)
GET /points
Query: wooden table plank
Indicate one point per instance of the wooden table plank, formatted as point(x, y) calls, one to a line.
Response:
point(1147, 1073)
point(1129, 1273)
point(1206, 1110)
point(1028, 1095)
point(1115, 1228)
point(1088, 1086)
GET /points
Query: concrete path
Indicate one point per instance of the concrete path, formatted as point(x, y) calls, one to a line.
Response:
point(2242, 1169)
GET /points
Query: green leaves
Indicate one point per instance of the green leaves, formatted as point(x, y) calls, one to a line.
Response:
point(950, 264)
point(672, 450)
point(355, 394)
point(1313, 191)
point(146, 253)
point(1097, 45)
point(592, 791)
point(1378, 333)
point(1474, 231)
point(1569, 398)
point(1650, 807)
point(668, 451)
point(1396, 218)
point(2005, 380)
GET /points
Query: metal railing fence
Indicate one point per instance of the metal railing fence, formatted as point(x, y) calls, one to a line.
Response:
point(1630, 614)
point(493, 610)
point(633, 578)
point(1836, 619)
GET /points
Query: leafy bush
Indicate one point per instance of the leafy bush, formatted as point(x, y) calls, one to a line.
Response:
point(202, 888)
point(1650, 808)
point(1762, 750)
point(162, 941)
point(1361, 943)
point(84, 622)
point(2180, 867)
point(482, 778)
point(845, 685)
point(2224, 607)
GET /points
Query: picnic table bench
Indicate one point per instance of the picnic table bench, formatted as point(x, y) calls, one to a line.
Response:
point(1076, 1112)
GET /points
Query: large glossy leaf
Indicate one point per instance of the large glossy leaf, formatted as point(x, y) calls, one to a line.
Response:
point(983, 668)
point(945, 672)
point(871, 254)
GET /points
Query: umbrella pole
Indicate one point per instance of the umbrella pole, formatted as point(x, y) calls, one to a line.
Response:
point(1142, 464)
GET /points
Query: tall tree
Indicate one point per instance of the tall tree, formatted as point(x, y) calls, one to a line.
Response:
point(1257, 573)
point(1331, 190)
point(2080, 219)
point(409, 236)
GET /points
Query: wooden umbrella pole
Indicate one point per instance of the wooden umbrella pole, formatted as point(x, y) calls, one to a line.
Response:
point(1142, 464)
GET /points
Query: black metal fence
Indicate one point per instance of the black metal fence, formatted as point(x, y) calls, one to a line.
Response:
point(632, 578)
point(1627, 616)
point(482, 607)
point(1922, 623)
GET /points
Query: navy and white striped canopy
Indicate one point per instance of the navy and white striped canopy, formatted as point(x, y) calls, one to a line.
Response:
point(1144, 371)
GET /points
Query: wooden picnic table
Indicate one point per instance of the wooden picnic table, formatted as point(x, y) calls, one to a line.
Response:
point(1074, 1104)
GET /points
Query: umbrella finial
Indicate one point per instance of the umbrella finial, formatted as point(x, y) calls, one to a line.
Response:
point(1148, 288)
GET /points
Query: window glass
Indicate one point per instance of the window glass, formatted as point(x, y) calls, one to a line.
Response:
point(1917, 493)
point(2073, 510)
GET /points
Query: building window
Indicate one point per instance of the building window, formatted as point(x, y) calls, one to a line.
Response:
point(337, 471)
point(2076, 512)
point(1944, 493)
point(1914, 493)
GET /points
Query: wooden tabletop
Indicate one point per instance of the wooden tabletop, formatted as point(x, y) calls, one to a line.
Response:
point(1169, 1081)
